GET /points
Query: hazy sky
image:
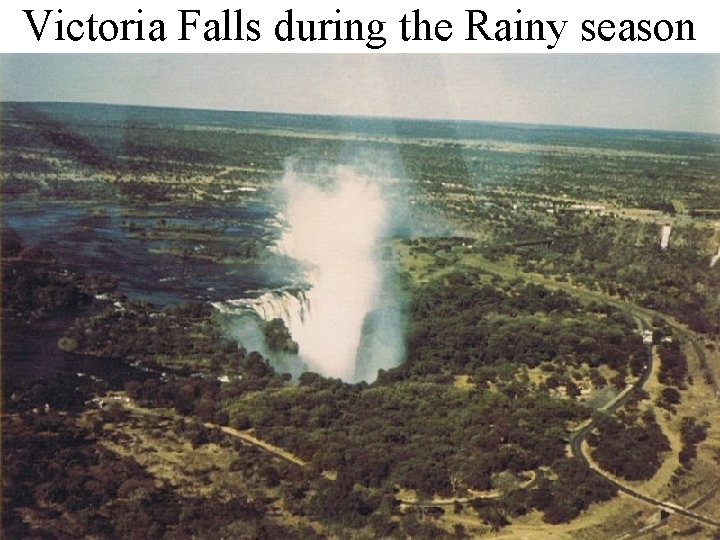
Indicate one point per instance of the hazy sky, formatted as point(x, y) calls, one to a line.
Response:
point(678, 92)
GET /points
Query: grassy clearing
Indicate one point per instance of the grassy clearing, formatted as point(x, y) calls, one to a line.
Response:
point(462, 382)
point(599, 522)
point(157, 440)
point(657, 485)
point(153, 441)
point(698, 401)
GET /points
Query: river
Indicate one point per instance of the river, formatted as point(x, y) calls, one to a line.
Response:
point(96, 238)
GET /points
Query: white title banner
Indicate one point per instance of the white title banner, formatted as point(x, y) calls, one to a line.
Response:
point(72, 26)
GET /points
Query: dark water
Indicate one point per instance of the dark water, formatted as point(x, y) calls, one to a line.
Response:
point(81, 239)
point(91, 238)
point(30, 352)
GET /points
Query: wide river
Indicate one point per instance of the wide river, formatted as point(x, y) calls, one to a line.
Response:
point(94, 237)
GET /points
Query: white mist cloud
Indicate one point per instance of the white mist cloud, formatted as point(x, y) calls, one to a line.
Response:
point(335, 231)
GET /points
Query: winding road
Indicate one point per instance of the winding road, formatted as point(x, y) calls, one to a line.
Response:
point(642, 315)
point(578, 437)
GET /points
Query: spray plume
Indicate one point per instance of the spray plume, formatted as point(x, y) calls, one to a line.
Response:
point(335, 232)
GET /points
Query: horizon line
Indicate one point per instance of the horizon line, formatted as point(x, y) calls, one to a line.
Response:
point(369, 117)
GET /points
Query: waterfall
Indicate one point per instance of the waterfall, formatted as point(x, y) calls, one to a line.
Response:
point(290, 305)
